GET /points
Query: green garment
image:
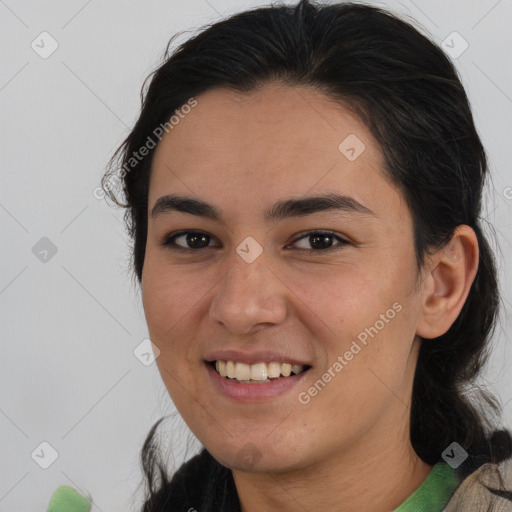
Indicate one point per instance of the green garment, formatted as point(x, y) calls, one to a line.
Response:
point(434, 493)
point(66, 499)
point(431, 496)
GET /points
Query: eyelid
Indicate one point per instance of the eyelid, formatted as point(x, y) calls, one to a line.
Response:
point(305, 234)
point(169, 240)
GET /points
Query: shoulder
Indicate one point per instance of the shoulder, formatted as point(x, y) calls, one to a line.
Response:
point(487, 488)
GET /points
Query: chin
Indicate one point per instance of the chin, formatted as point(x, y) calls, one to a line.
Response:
point(255, 456)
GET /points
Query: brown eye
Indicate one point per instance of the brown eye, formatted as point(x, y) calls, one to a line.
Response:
point(188, 240)
point(320, 241)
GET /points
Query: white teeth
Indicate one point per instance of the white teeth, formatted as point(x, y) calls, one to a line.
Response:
point(259, 371)
point(242, 371)
point(221, 367)
point(256, 372)
point(274, 370)
point(286, 369)
point(230, 368)
point(297, 368)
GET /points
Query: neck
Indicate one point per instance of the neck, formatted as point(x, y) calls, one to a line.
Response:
point(374, 486)
point(376, 474)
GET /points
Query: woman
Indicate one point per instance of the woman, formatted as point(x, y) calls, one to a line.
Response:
point(303, 189)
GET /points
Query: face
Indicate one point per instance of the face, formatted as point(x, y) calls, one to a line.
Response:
point(266, 274)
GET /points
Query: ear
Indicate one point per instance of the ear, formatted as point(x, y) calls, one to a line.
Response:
point(449, 275)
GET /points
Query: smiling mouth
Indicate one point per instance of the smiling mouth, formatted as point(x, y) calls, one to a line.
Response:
point(256, 373)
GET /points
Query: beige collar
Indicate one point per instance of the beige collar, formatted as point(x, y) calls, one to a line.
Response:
point(473, 496)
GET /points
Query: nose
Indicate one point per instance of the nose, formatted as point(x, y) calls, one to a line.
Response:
point(249, 297)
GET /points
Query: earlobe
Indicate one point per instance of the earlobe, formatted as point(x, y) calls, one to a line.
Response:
point(448, 281)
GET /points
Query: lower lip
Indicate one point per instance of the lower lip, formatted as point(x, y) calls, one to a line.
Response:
point(254, 392)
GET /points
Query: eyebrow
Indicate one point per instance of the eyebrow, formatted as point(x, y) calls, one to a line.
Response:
point(280, 210)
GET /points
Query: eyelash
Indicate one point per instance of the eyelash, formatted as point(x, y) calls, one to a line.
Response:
point(169, 241)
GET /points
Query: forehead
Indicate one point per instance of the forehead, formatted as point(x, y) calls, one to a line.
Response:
point(266, 143)
point(303, 118)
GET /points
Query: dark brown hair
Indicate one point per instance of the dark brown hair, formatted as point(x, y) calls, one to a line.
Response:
point(408, 93)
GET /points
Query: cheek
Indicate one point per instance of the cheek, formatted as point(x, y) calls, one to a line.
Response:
point(344, 299)
point(171, 303)
point(365, 316)
point(170, 295)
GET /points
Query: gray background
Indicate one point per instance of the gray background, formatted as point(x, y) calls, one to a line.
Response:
point(70, 323)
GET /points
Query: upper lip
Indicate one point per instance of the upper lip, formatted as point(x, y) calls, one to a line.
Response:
point(260, 356)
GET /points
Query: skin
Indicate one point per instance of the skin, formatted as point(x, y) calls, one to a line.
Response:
point(349, 447)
